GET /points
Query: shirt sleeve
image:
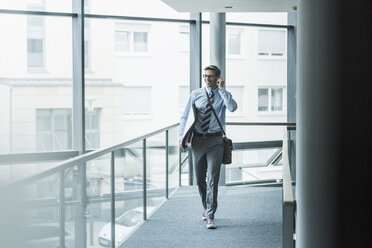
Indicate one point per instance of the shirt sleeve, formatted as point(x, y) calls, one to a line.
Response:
point(228, 100)
point(184, 118)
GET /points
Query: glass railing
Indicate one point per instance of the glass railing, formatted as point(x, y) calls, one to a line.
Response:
point(104, 195)
point(257, 152)
point(92, 199)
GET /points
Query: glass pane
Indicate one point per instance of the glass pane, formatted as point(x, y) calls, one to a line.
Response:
point(233, 42)
point(276, 99)
point(130, 89)
point(128, 193)
point(173, 159)
point(252, 164)
point(40, 213)
point(98, 187)
point(155, 161)
point(35, 75)
point(184, 93)
point(137, 100)
point(122, 41)
point(145, 8)
point(263, 99)
point(14, 172)
point(47, 5)
point(238, 94)
point(271, 42)
point(256, 17)
point(140, 42)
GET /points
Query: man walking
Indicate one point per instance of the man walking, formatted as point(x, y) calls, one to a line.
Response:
point(207, 144)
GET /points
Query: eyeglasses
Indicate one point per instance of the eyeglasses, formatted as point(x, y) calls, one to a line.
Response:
point(208, 76)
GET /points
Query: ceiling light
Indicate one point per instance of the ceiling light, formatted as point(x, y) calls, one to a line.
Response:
point(230, 7)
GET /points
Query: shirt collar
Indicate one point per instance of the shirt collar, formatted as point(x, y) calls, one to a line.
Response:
point(214, 91)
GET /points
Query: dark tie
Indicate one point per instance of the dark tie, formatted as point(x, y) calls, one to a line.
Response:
point(207, 114)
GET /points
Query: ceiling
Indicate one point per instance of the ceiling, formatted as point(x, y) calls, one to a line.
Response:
point(219, 6)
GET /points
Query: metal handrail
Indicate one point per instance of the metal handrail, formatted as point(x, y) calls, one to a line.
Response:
point(84, 158)
point(261, 123)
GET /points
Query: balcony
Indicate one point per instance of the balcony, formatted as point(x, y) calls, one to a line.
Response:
point(141, 192)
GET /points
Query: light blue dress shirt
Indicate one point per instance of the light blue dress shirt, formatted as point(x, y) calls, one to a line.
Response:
point(222, 99)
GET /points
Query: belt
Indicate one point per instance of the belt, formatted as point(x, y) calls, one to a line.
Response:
point(208, 134)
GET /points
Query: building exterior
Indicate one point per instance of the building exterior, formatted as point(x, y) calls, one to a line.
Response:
point(137, 75)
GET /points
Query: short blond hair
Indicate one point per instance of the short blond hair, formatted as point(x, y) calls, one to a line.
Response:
point(213, 68)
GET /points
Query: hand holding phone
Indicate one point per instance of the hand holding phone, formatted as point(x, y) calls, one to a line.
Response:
point(220, 82)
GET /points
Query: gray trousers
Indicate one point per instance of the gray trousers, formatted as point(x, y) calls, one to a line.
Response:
point(207, 153)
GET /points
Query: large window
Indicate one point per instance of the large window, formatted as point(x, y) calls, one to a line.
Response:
point(271, 43)
point(132, 38)
point(270, 99)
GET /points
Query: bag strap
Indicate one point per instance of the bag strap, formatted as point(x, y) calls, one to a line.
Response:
point(214, 112)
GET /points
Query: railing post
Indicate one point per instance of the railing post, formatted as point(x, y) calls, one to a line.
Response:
point(166, 164)
point(81, 211)
point(112, 186)
point(62, 208)
point(144, 181)
point(179, 167)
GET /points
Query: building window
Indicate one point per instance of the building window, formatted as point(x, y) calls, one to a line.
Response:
point(132, 38)
point(271, 43)
point(35, 53)
point(184, 38)
point(35, 36)
point(234, 37)
point(238, 94)
point(137, 101)
point(92, 127)
point(270, 99)
point(54, 129)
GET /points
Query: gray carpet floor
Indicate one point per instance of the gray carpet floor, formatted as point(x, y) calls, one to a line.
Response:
point(246, 217)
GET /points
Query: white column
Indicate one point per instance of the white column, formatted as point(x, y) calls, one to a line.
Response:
point(218, 56)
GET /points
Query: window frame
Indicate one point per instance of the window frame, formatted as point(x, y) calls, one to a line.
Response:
point(132, 28)
point(269, 111)
point(270, 56)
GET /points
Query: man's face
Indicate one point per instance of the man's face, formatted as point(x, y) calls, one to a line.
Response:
point(210, 78)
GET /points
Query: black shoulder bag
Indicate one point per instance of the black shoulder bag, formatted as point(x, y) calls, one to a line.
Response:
point(227, 143)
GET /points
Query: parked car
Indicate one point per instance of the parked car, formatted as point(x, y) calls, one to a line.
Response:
point(124, 224)
point(45, 235)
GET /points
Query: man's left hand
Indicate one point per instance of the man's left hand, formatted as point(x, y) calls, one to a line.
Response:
point(220, 82)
